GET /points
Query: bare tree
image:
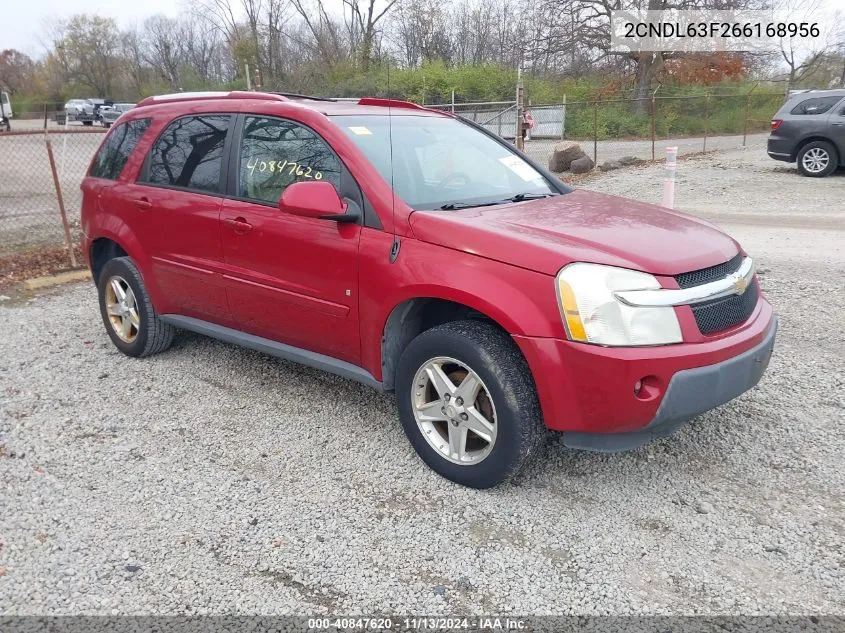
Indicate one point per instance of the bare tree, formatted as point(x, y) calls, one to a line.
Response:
point(324, 30)
point(88, 51)
point(16, 70)
point(365, 20)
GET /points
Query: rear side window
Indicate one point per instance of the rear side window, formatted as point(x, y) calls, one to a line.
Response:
point(189, 153)
point(109, 161)
point(819, 105)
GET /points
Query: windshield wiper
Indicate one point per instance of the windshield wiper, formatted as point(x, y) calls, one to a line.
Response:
point(522, 197)
point(453, 206)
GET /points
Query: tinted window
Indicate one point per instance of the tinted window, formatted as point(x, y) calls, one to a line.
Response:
point(189, 153)
point(819, 105)
point(109, 161)
point(276, 153)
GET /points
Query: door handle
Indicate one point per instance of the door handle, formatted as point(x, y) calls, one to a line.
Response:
point(239, 225)
point(143, 204)
point(837, 124)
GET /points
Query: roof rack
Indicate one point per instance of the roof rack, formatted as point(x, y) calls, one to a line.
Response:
point(389, 103)
point(199, 96)
point(295, 95)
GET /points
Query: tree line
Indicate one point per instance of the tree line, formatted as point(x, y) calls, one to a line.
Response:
point(349, 48)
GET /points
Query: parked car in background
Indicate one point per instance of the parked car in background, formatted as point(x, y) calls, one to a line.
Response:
point(809, 129)
point(86, 111)
point(416, 252)
point(5, 111)
point(110, 114)
point(73, 109)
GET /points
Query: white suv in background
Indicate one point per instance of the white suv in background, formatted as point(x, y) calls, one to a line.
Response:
point(5, 111)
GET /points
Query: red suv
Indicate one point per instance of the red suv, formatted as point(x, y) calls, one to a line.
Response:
point(415, 252)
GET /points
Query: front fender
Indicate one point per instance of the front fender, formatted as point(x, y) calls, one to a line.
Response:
point(519, 300)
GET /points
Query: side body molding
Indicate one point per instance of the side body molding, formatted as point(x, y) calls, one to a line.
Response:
point(274, 348)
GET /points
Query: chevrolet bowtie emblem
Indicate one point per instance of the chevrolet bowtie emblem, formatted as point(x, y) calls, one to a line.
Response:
point(740, 283)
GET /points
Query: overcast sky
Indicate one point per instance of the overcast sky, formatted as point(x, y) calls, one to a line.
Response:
point(23, 23)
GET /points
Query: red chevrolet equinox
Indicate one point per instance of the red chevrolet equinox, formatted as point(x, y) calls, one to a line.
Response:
point(416, 252)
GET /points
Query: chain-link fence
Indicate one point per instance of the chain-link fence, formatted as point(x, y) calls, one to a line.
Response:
point(499, 117)
point(40, 174)
point(643, 127)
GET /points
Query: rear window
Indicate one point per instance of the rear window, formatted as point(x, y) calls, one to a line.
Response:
point(109, 161)
point(189, 153)
point(819, 105)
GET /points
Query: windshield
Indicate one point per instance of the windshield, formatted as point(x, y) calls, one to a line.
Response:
point(443, 162)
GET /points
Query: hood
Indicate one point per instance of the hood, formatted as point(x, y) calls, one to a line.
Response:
point(546, 234)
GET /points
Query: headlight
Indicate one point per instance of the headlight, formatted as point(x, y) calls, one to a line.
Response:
point(592, 314)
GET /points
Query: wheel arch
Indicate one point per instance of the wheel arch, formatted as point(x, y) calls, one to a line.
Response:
point(103, 249)
point(104, 244)
point(415, 315)
point(811, 139)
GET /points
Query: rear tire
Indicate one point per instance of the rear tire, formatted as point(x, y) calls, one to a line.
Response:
point(128, 314)
point(817, 159)
point(504, 395)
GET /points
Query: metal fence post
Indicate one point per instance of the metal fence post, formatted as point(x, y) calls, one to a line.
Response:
point(747, 106)
point(706, 120)
point(654, 119)
point(563, 119)
point(59, 198)
point(595, 132)
point(453, 101)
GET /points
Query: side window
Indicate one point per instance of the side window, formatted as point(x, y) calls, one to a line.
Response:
point(819, 105)
point(109, 161)
point(276, 153)
point(189, 153)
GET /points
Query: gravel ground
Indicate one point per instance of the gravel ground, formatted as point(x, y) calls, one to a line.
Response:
point(212, 479)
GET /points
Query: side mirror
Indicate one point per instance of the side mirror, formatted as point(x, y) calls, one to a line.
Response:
point(315, 199)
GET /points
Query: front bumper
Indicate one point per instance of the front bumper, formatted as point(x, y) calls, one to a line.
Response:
point(691, 392)
point(587, 391)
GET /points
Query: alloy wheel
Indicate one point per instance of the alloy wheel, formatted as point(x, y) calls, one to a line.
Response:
point(454, 410)
point(815, 160)
point(122, 309)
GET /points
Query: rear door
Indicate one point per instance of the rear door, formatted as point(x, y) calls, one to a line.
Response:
point(177, 198)
point(290, 278)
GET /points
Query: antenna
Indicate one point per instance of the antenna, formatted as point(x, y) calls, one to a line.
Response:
point(394, 247)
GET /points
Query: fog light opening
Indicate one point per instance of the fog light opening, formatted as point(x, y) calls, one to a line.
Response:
point(647, 388)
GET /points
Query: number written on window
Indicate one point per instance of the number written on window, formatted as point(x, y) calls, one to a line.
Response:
point(293, 168)
point(276, 153)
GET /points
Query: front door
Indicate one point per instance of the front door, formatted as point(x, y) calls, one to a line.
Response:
point(291, 279)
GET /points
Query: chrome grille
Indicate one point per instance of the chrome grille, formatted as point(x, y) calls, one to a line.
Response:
point(720, 314)
point(706, 275)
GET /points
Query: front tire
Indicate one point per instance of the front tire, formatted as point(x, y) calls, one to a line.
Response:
point(467, 403)
point(817, 159)
point(128, 314)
